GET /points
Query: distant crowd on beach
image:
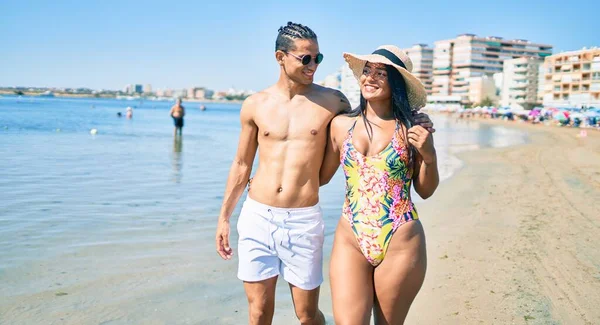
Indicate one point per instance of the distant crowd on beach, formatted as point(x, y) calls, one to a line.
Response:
point(585, 117)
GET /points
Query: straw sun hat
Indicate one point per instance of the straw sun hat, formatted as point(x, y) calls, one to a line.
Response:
point(392, 56)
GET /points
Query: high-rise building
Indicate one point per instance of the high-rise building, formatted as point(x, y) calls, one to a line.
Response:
point(572, 79)
point(541, 83)
point(199, 93)
point(191, 93)
point(138, 89)
point(333, 80)
point(179, 93)
point(520, 85)
point(422, 59)
point(349, 86)
point(498, 81)
point(147, 88)
point(482, 88)
point(458, 60)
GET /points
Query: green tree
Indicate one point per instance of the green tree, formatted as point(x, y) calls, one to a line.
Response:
point(486, 102)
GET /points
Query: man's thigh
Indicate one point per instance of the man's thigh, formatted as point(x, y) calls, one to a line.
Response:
point(306, 302)
point(261, 300)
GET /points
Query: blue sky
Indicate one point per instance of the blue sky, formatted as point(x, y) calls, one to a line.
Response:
point(222, 44)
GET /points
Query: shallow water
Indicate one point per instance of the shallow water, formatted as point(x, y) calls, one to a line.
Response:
point(118, 227)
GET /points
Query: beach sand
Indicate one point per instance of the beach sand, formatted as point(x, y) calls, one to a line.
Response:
point(513, 237)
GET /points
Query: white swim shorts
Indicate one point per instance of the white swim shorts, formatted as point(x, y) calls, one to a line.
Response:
point(279, 241)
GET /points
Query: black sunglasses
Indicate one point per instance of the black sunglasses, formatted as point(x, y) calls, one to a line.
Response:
point(306, 58)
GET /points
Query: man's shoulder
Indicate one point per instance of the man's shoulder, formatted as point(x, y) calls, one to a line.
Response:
point(333, 98)
point(326, 91)
point(252, 103)
point(257, 98)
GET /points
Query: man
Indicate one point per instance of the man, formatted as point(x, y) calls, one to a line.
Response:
point(281, 226)
point(177, 112)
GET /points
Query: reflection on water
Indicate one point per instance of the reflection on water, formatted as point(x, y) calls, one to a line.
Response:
point(177, 158)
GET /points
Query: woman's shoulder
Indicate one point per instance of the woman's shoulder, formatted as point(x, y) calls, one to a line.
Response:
point(342, 122)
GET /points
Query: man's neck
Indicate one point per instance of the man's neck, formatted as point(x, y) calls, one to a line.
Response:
point(289, 88)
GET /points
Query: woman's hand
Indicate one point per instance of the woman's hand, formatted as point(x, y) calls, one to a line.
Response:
point(422, 140)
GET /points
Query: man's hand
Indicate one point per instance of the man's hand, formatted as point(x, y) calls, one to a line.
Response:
point(222, 239)
point(423, 120)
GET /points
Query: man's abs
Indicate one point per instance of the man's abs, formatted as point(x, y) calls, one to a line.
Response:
point(291, 142)
point(287, 179)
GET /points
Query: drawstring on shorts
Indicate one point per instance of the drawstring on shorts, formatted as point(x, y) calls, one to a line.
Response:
point(286, 230)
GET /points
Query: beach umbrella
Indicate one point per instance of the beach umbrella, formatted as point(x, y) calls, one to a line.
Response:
point(520, 110)
point(516, 108)
point(577, 115)
point(561, 116)
point(553, 109)
point(591, 113)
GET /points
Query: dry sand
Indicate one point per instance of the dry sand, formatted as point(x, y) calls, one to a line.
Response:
point(513, 238)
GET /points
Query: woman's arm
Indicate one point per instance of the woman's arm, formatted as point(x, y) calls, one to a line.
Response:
point(426, 177)
point(331, 158)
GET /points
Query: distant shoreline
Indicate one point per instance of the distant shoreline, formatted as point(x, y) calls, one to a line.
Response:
point(107, 96)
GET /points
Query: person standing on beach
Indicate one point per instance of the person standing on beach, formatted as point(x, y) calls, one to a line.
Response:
point(382, 152)
point(280, 227)
point(177, 113)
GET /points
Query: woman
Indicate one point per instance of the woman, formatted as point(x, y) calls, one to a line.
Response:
point(378, 261)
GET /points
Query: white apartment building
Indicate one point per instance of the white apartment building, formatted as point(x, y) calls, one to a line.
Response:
point(520, 84)
point(457, 61)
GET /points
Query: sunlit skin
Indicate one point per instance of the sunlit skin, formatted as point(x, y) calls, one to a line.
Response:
point(386, 291)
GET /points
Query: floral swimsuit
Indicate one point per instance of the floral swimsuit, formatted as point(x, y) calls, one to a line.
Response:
point(377, 194)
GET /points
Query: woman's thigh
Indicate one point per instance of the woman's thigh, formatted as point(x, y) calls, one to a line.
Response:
point(351, 278)
point(400, 275)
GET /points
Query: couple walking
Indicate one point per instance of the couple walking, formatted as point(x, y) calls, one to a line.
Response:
point(305, 133)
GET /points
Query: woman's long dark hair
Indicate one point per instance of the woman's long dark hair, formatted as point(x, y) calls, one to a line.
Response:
point(400, 108)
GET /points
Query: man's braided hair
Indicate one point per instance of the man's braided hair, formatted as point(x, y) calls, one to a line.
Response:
point(289, 33)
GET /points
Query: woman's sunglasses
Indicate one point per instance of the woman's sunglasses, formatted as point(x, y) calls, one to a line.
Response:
point(306, 58)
